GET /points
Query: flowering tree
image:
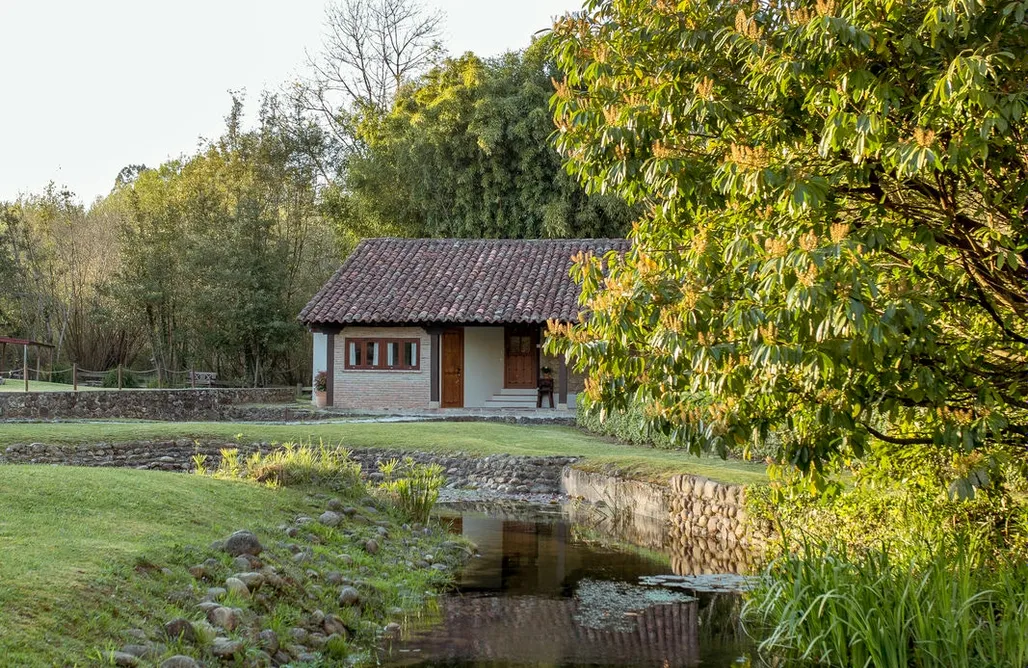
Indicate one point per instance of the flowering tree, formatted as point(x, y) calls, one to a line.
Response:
point(835, 243)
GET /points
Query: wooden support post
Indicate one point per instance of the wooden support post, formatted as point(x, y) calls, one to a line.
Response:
point(38, 351)
point(192, 378)
point(74, 377)
point(25, 365)
point(120, 385)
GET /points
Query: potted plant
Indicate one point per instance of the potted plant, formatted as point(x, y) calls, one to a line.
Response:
point(321, 389)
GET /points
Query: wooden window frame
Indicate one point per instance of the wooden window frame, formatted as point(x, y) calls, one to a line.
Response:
point(383, 343)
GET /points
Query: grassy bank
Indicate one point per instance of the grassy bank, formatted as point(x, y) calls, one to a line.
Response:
point(477, 438)
point(87, 554)
point(18, 385)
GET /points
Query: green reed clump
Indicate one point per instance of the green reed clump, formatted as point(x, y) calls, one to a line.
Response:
point(414, 487)
point(939, 605)
point(292, 464)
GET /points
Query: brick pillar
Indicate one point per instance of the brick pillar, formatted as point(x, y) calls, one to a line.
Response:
point(435, 375)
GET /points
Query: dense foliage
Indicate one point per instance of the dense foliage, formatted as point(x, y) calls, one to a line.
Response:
point(465, 152)
point(201, 263)
point(835, 243)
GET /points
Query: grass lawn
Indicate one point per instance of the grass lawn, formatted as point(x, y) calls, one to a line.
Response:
point(81, 553)
point(480, 438)
point(61, 528)
point(18, 385)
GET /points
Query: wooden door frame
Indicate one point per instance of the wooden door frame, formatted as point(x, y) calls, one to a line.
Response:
point(535, 331)
point(442, 375)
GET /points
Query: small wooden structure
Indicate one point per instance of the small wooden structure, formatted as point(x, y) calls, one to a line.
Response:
point(25, 344)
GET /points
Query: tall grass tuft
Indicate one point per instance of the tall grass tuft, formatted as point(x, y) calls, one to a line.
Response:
point(414, 487)
point(293, 464)
point(933, 606)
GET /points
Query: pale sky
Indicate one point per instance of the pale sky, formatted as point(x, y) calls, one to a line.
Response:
point(90, 86)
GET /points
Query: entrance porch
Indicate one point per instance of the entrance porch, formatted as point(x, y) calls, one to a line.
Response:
point(447, 368)
point(499, 367)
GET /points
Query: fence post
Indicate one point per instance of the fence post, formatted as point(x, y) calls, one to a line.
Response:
point(74, 377)
point(25, 366)
point(119, 377)
point(192, 378)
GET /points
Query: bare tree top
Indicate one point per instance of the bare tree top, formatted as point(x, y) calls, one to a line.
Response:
point(371, 47)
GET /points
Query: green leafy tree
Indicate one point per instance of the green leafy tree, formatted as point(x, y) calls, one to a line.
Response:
point(465, 152)
point(222, 249)
point(835, 250)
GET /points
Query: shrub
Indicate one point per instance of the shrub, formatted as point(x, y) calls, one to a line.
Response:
point(321, 382)
point(630, 426)
point(413, 487)
point(62, 376)
point(128, 379)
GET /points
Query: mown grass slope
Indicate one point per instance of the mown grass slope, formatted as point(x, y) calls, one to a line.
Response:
point(62, 528)
point(479, 438)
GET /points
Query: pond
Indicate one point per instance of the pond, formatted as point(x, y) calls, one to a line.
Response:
point(553, 588)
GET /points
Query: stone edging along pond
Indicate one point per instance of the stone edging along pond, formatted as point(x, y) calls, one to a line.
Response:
point(702, 521)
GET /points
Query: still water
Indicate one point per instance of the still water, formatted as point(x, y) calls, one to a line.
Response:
point(549, 591)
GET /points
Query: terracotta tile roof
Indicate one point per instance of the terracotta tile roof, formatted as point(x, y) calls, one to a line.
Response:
point(455, 281)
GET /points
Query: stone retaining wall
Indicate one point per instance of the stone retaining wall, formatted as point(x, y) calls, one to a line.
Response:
point(709, 526)
point(703, 522)
point(189, 404)
point(499, 473)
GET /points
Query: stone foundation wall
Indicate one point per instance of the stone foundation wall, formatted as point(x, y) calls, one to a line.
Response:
point(704, 523)
point(709, 527)
point(499, 473)
point(189, 404)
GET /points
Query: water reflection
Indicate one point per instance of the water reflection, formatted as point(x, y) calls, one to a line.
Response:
point(547, 592)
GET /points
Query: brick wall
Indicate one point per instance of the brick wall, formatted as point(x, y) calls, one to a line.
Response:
point(576, 380)
point(382, 390)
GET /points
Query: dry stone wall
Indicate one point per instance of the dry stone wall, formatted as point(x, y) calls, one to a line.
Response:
point(708, 527)
point(703, 522)
point(498, 473)
point(189, 404)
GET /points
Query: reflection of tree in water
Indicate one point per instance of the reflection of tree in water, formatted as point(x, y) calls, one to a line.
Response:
point(530, 630)
point(720, 625)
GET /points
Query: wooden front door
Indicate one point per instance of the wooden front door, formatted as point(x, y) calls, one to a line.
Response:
point(521, 357)
point(453, 368)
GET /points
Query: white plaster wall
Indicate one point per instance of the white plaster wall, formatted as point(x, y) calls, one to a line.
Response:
point(483, 364)
point(320, 357)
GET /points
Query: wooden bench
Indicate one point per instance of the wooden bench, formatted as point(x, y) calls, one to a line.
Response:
point(202, 378)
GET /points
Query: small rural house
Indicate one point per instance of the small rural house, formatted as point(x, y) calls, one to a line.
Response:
point(414, 324)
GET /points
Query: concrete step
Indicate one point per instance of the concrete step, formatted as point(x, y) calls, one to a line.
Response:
point(510, 402)
point(513, 397)
point(500, 405)
point(515, 392)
